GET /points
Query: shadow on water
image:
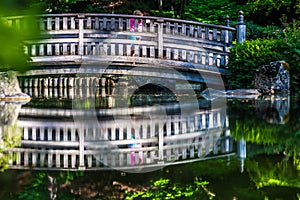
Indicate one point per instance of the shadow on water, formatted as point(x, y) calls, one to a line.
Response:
point(56, 157)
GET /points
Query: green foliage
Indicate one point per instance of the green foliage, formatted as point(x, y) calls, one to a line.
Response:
point(262, 133)
point(212, 11)
point(164, 189)
point(69, 176)
point(263, 137)
point(37, 189)
point(255, 31)
point(269, 173)
point(11, 49)
point(12, 55)
point(263, 12)
point(59, 6)
point(12, 135)
point(245, 58)
point(291, 35)
point(40, 184)
point(4, 158)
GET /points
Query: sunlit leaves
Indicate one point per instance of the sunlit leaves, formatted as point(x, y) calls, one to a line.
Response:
point(165, 189)
point(245, 58)
point(269, 173)
point(260, 133)
point(11, 137)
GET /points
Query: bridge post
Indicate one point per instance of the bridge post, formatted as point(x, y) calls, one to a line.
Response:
point(241, 28)
point(81, 149)
point(80, 34)
point(160, 146)
point(160, 42)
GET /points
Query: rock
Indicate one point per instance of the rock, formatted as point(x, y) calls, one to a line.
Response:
point(10, 89)
point(273, 78)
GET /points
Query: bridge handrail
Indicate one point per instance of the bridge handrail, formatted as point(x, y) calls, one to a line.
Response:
point(107, 35)
point(229, 28)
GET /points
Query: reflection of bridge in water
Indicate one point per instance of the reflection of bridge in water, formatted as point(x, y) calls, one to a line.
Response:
point(65, 144)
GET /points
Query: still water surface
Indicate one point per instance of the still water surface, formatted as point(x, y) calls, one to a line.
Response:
point(95, 145)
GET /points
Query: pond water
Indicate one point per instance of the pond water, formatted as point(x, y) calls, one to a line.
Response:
point(80, 143)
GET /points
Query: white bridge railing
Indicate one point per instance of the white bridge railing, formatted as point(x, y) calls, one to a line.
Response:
point(75, 37)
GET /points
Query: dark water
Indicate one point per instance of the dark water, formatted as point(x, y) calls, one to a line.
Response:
point(244, 148)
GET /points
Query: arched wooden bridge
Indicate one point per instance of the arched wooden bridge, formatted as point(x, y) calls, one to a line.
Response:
point(101, 44)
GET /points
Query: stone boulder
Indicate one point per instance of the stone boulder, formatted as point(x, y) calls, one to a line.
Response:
point(10, 89)
point(273, 78)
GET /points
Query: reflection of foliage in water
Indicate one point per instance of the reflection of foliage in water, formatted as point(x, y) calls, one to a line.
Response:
point(245, 124)
point(280, 142)
point(273, 173)
point(11, 137)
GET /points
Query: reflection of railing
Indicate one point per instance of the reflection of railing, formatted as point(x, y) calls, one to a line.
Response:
point(70, 37)
point(173, 139)
point(66, 87)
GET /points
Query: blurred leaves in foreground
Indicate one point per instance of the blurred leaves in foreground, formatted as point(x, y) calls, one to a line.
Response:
point(16, 25)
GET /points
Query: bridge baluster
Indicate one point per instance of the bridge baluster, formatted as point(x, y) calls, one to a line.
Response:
point(199, 32)
point(191, 30)
point(57, 23)
point(65, 23)
point(183, 29)
point(49, 23)
point(113, 24)
point(72, 23)
point(88, 23)
point(105, 24)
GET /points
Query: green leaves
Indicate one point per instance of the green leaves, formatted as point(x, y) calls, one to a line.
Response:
point(164, 189)
point(245, 58)
point(263, 11)
point(212, 11)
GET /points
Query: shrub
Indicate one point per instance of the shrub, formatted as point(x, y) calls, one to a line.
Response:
point(291, 36)
point(245, 58)
point(255, 31)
